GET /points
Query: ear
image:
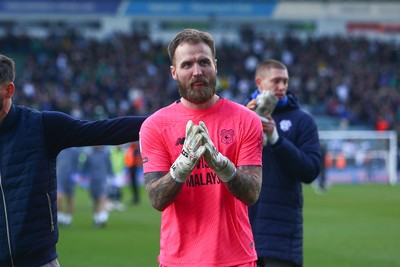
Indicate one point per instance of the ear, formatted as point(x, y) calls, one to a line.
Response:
point(10, 88)
point(258, 82)
point(173, 72)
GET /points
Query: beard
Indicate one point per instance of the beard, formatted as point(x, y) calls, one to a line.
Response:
point(198, 96)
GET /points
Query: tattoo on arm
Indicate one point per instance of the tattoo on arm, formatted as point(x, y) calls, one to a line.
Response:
point(161, 189)
point(246, 186)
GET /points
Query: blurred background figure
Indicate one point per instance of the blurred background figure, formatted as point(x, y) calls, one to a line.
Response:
point(320, 184)
point(133, 161)
point(98, 169)
point(117, 154)
point(67, 175)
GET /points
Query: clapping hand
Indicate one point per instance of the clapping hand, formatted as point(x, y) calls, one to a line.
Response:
point(191, 153)
point(222, 166)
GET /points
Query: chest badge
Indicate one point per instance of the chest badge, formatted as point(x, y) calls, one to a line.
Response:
point(285, 125)
point(227, 136)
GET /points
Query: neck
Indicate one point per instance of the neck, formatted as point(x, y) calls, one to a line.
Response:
point(282, 102)
point(201, 106)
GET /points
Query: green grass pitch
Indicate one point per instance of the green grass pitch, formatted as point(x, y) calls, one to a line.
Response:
point(349, 226)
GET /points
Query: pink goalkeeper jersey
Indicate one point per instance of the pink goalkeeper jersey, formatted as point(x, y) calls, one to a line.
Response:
point(205, 225)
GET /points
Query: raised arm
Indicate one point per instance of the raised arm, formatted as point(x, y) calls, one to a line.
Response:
point(162, 187)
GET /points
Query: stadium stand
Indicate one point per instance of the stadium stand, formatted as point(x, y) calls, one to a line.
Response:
point(351, 80)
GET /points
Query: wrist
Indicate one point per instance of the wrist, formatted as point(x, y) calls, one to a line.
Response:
point(176, 174)
point(228, 173)
point(274, 137)
point(176, 177)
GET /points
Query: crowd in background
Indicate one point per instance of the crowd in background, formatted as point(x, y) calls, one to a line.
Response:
point(353, 79)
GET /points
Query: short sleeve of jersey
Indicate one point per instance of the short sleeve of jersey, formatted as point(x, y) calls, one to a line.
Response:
point(252, 142)
point(153, 150)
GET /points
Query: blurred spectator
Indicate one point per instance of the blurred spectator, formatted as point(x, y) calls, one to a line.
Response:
point(117, 154)
point(346, 77)
point(133, 161)
point(98, 169)
point(67, 173)
point(382, 124)
point(320, 184)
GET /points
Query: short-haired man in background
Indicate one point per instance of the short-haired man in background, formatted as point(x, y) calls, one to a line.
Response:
point(291, 157)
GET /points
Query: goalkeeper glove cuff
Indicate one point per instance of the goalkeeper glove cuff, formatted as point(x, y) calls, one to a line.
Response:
point(174, 174)
point(228, 173)
point(177, 173)
point(274, 137)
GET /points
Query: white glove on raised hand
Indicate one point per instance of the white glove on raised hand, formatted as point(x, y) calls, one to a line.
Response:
point(265, 141)
point(192, 151)
point(222, 166)
point(265, 105)
point(274, 137)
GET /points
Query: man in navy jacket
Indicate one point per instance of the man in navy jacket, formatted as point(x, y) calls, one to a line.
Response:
point(30, 141)
point(291, 157)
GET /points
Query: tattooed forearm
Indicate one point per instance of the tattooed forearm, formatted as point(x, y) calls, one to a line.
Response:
point(246, 186)
point(162, 189)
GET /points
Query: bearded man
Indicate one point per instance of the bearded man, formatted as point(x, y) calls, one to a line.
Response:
point(202, 164)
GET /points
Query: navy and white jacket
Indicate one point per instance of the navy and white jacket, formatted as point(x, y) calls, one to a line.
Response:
point(30, 141)
point(277, 217)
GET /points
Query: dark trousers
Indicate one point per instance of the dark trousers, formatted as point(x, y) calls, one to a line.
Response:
point(267, 262)
point(134, 185)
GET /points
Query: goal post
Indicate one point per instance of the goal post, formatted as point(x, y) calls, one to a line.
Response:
point(360, 156)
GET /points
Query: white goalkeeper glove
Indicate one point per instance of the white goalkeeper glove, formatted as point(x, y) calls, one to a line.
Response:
point(265, 105)
point(222, 166)
point(192, 151)
point(274, 137)
point(265, 141)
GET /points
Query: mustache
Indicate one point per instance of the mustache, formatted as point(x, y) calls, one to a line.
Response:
point(199, 79)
